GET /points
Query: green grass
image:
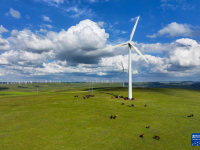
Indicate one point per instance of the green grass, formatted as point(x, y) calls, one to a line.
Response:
point(55, 119)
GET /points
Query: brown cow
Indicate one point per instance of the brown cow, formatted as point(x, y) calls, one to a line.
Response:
point(122, 103)
point(142, 136)
point(114, 116)
point(191, 115)
point(156, 137)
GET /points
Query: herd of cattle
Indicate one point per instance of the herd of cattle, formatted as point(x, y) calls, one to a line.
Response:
point(132, 105)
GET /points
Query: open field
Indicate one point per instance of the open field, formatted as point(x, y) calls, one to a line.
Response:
point(55, 119)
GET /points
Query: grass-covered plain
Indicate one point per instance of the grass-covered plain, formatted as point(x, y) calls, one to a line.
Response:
point(55, 119)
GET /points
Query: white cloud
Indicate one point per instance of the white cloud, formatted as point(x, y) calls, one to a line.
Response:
point(45, 18)
point(4, 44)
point(55, 1)
point(123, 32)
point(24, 58)
point(186, 56)
point(133, 19)
point(168, 6)
point(86, 38)
point(175, 29)
point(75, 12)
point(78, 50)
point(174, 4)
point(2, 29)
point(49, 26)
point(28, 41)
point(14, 13)
point(46, 26)
point(100, 23)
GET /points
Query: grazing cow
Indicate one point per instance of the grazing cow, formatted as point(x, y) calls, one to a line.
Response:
point(148, 127)
point(122, 103)
point(191, 115)
point(132, 105)
point(156, 137)
point(114, 116)
point(125, 98)
point(142, 135)
point(116, 96)
point(111, 117)
point(145, 105)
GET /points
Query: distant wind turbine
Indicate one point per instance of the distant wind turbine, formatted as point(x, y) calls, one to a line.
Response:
point(123, 72)
point(130, 45)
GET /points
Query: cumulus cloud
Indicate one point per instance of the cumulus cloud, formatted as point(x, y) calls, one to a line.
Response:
point(186, 56)
point(45, 18)
point(24, 58)
point(78, 50)
point(2, 29)
point(28, 41)
point(175, 29)
point(14, 13)
point(4, 44)
point(82, 43)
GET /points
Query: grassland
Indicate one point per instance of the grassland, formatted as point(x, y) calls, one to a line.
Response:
point(55, 119)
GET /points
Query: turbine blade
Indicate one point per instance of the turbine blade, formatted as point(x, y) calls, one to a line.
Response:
point(122, 66)
point(119, 72)
point(134, 28)
point(135, 48)
point(119, 45)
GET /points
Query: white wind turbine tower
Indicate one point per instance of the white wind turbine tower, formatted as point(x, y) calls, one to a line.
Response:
point(130, 45)
point(123, 72)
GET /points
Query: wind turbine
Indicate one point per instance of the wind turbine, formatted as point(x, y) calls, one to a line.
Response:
point(123, 72)
point(130, 45)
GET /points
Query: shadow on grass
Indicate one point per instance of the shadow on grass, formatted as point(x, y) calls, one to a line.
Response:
point(3, 88)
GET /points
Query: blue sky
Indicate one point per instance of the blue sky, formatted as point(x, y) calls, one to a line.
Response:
point(62, 40)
